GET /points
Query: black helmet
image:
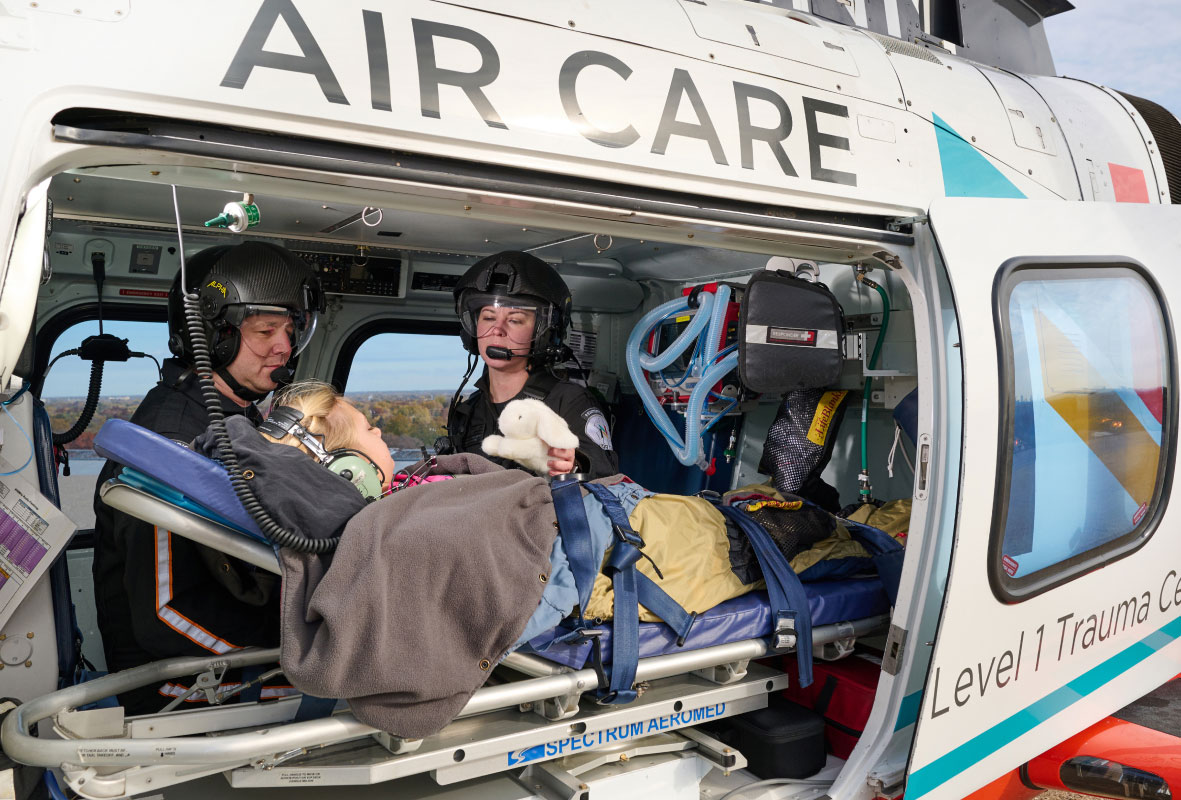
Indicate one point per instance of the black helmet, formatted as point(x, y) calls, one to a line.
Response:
point(235, 281)
point(527, 280)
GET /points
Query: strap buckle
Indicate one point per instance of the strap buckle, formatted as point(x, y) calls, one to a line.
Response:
point(627, 551)
point(628, 536)
point(784, 636)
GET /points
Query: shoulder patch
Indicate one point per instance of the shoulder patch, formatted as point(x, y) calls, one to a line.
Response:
point(597, 429)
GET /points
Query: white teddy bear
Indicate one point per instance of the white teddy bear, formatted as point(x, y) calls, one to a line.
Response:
point(530, 429)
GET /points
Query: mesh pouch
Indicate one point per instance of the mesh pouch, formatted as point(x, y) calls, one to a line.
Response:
point(799, 442)
point(793, 525)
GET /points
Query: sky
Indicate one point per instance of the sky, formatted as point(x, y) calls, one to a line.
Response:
point(386, 363)
point(1130, 45)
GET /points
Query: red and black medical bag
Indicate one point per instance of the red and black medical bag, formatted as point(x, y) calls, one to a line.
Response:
point(842, 692)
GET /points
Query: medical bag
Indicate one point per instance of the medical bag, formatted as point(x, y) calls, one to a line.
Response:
point(842, 693)
point(791, 334)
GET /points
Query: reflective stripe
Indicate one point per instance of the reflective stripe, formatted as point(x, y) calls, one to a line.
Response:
point(170, 616)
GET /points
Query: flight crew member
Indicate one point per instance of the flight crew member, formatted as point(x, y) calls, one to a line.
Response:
point(159, 595)
point(514, 310)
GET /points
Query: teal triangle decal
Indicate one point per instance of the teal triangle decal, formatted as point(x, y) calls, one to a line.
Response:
point(966, 172)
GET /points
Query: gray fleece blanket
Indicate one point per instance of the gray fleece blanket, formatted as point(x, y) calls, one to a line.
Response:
point(427, 590)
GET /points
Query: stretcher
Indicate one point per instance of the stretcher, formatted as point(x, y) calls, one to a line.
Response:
point(533, 716)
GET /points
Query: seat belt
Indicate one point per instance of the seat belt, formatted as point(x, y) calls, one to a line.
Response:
point(576, 538)
point(630, 586)
point(791, 615)
point(539, 386)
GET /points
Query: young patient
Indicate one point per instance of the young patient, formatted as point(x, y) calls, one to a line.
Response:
point(337, 428)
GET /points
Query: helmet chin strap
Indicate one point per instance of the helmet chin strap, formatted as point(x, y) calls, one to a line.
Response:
point(249, 395)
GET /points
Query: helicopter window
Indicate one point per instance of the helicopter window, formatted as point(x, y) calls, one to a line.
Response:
point(123, 385)
point(404, 382)
point(1087, 426)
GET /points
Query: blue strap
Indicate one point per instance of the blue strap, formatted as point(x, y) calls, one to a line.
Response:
point(625, 641)
point(631, 588)
point(311, 707)
point(576, 538)
point(65, 620)
point(656, 600)
point(887, 554)
point(790, 611)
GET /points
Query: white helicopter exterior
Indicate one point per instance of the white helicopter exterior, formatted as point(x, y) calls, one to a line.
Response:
point(717, 123)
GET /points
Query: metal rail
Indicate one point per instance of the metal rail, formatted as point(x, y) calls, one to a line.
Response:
point(232, 749)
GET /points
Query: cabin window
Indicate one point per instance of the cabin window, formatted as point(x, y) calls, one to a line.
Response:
point(124, 384)
point(1086, 423)
point(404, 383)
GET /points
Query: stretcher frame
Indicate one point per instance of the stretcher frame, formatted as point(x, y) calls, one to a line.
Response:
point(102, 754)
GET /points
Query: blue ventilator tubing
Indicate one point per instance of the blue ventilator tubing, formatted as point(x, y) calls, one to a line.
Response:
point(708, 321)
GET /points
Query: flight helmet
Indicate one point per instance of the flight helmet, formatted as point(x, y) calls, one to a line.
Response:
point(234, 282)
point(513, 279)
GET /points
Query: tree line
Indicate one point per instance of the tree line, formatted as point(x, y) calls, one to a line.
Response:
point(406, 419)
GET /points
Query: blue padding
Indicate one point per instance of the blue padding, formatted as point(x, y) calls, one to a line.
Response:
point(906, 414)
point(745, 617)
point(204, 481)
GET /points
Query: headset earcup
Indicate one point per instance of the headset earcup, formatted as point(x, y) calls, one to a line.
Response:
point(358, 470)
point(176, 346)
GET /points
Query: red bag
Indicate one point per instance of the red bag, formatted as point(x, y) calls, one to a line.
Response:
point(842, 692)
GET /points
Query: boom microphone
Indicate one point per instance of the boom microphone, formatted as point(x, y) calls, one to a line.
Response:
point(503, 353)
point(282, 375)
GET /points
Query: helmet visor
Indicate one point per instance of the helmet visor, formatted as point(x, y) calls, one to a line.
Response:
point(303, 323)
point(520, 320)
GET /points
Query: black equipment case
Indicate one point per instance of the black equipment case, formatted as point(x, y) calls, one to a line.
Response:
point(783, 740)
point(791, 334)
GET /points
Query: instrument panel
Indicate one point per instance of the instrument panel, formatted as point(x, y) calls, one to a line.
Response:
point(357, 274)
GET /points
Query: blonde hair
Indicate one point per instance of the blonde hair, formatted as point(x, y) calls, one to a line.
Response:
point(317, 401)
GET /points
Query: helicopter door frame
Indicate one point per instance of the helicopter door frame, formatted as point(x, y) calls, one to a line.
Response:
point(1015, 670)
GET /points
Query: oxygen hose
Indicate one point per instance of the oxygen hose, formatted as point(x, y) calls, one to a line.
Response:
point(708, 321)
point(96, 382)
point(863, 478)
point(275, 532)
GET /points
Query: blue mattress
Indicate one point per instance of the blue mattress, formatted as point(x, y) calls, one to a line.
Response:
point(156, 459)
point(745, 617)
